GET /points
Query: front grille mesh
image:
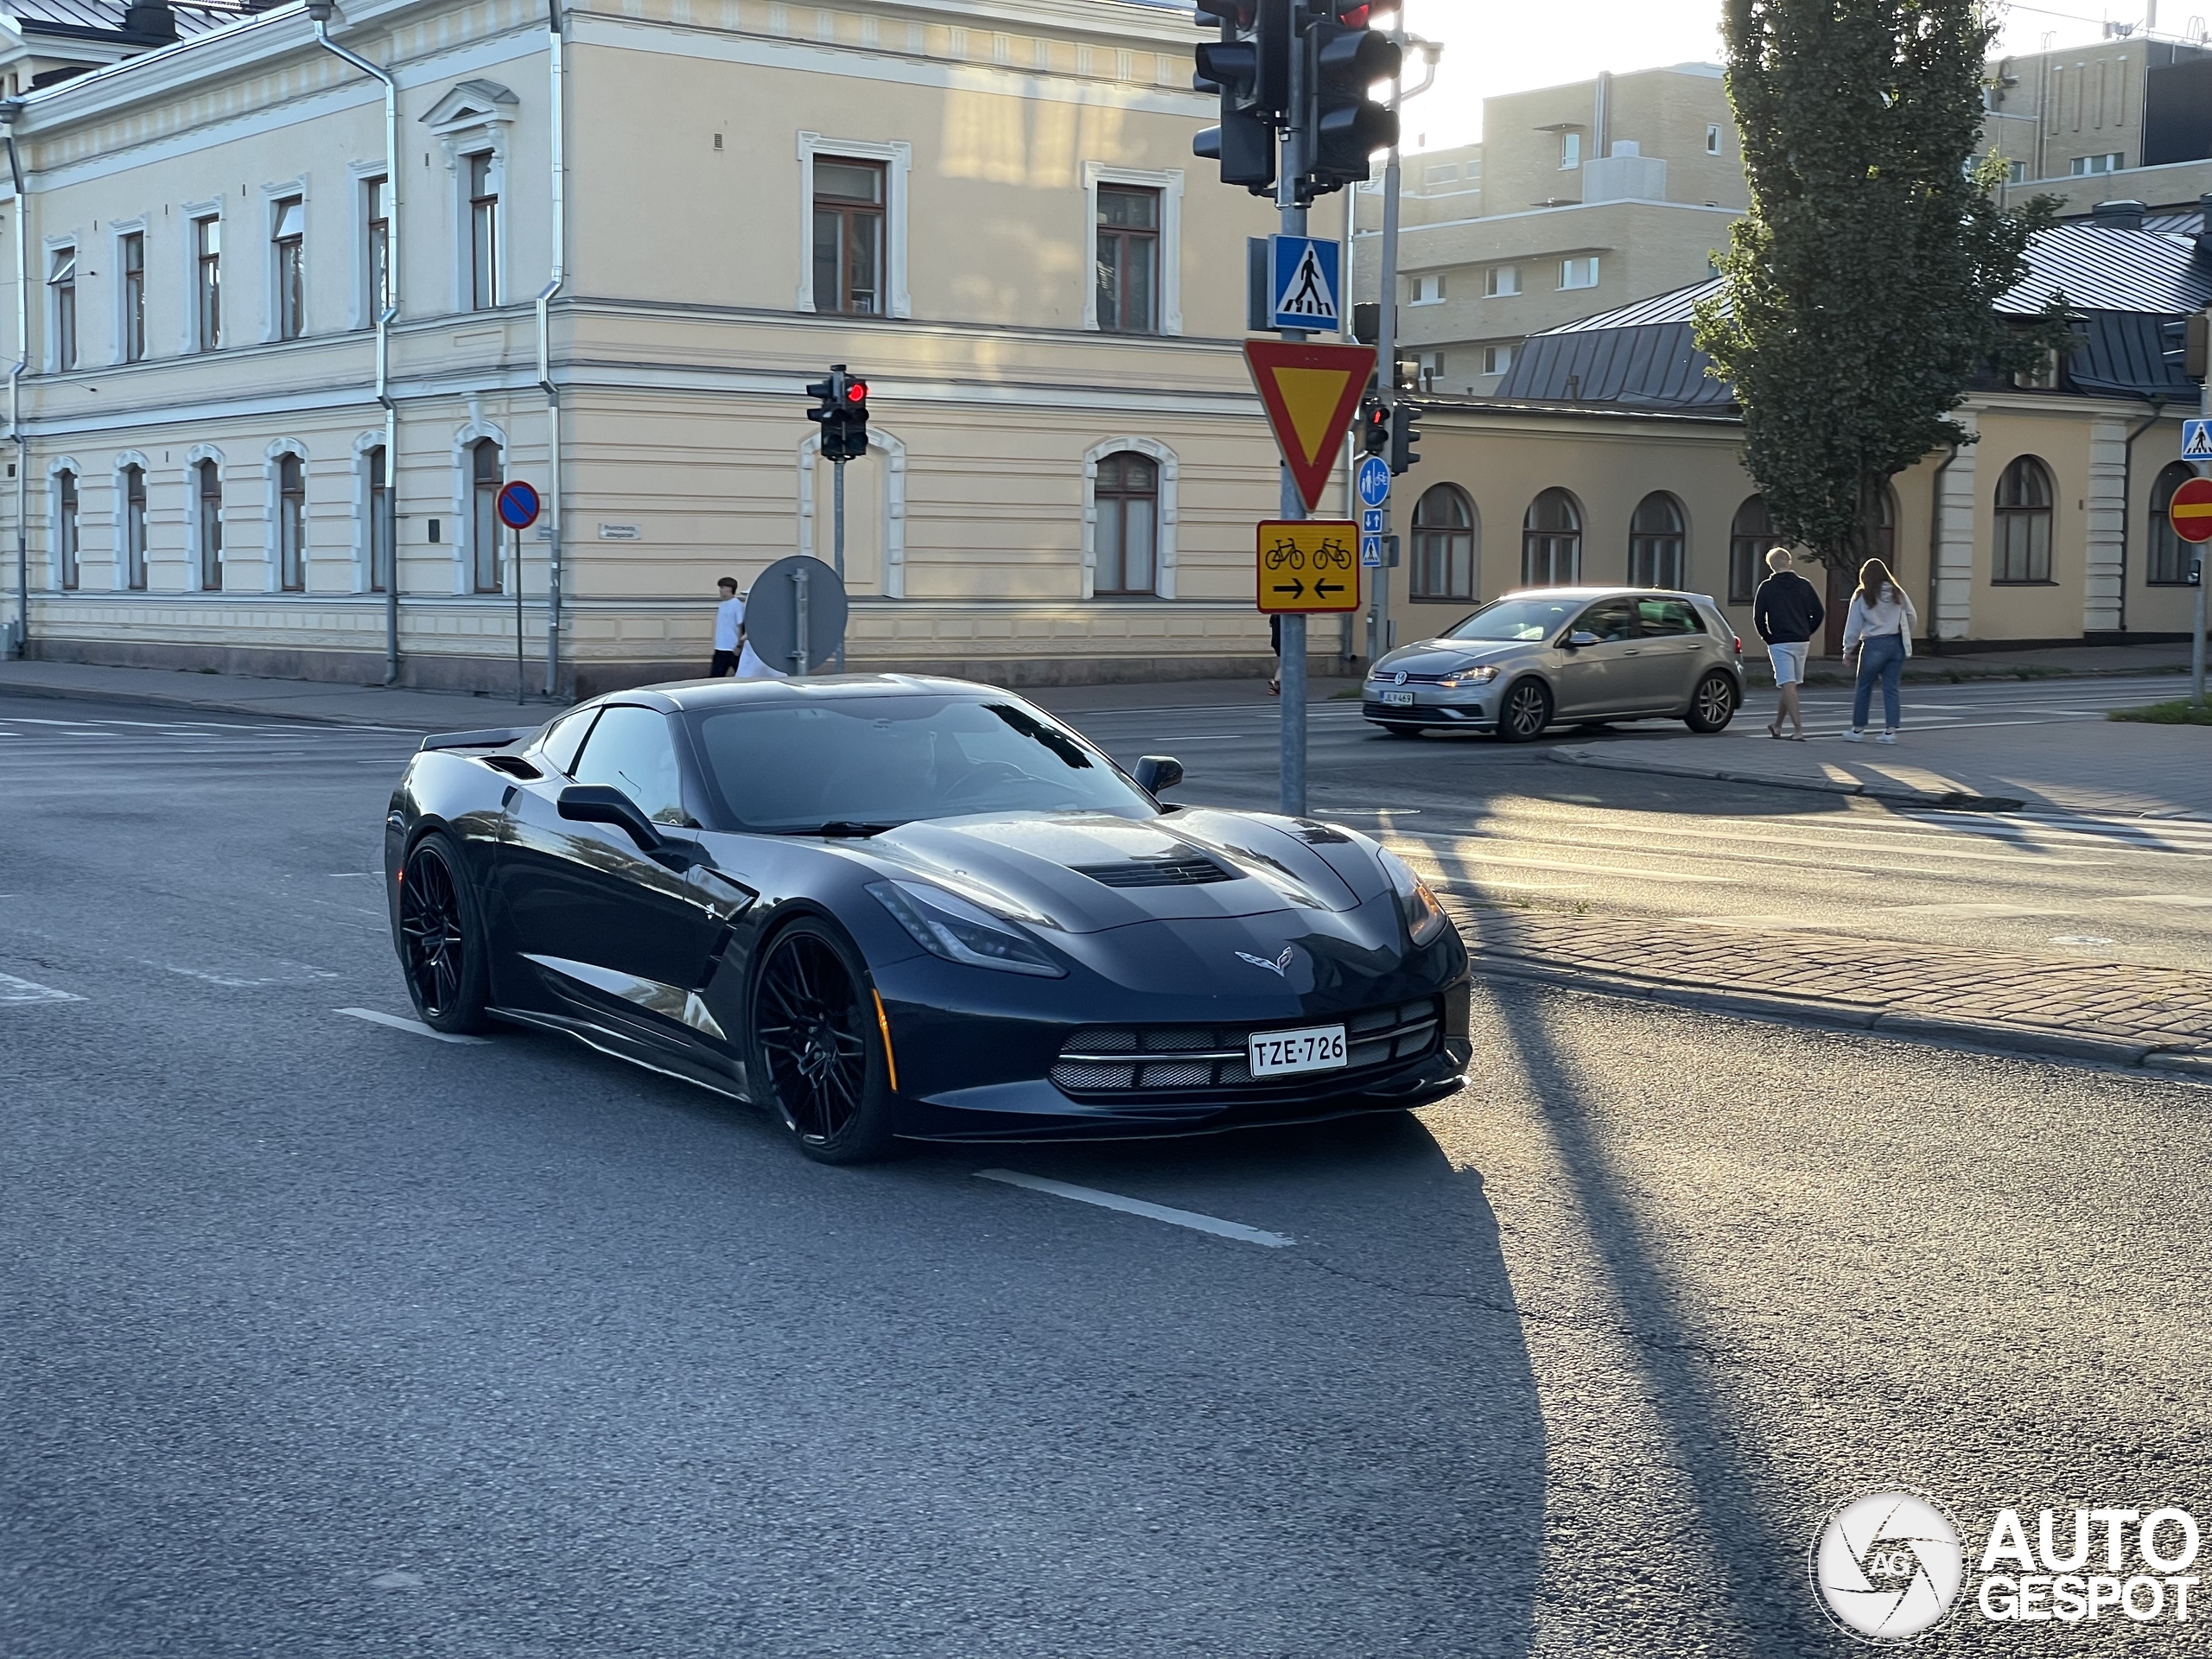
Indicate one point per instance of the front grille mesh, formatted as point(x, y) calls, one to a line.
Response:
point(1142, 1059)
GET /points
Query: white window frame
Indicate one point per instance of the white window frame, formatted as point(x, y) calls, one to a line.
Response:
point(1712, 138)
point(272, 508)
point(364, 531)
point(359, 175)
point(1498, 359)
point(1580, 263)
point(893, 451)
point(1164, 561)
point(465, 440)
point(2085, 167)
point(272, 197)
point(897, 158)
point(193, 551)
point(71, 245)
point(1427, 289)
point(190, 215)
point(1169, 184)
point(119, 520)
point(119, 231)
point(54, 469)
point(1570, 150)
point(474, 119)
point(1501, 282)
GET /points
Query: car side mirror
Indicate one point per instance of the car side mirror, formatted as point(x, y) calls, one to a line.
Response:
point(1582, 636)
point(1156, 772)
point(603, 804)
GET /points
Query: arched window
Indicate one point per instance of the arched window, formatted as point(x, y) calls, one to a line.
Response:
point(1751, 533)
point(1654, 543)
point(1126, 496)
point(2023, 496)
point(134, 528)
point(291, 524)
point(1444, 545)
point(484, 522)
point(1551, 541)
point(209, 488)
point(68, 549)
point(2171, 556)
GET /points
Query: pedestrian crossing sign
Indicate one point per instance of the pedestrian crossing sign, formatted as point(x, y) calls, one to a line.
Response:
point(2196, 440)
point(1303, 285)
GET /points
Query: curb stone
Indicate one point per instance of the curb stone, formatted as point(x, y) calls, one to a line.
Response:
point(1992, 1034)
point(1954, 800)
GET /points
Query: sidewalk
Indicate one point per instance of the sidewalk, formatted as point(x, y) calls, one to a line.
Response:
point(315, 700)
point(1934, 668)
point(2039, 765)
point(2120, 1013)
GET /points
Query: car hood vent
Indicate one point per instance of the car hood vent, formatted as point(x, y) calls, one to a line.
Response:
point(1181, 870)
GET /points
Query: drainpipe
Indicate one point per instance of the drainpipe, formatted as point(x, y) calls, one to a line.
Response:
point(320, 10)
point(1936, 546)
point(2127, 495)
point(9, 109)
point(556, 118)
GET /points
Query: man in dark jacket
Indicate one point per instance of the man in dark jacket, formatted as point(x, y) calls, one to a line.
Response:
point(1788, 612)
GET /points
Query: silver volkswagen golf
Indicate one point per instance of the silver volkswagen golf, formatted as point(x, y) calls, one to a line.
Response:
point(1548, 654)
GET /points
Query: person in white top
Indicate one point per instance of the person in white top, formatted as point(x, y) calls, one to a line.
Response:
point(1879, 628)
point(734, 649)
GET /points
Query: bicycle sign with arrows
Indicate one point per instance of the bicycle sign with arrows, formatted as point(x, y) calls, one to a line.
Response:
point(1308, 565)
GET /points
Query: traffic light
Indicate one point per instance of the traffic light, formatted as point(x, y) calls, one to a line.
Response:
point(1249, 66)
point(1405, 432)
point(841, 410)
point(1344, 126)
point(2196, 345)
point(1374, 427)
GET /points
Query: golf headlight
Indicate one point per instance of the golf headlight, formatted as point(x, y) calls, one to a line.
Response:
point(1425, 918)
point(952, 928)
point(1472, 674)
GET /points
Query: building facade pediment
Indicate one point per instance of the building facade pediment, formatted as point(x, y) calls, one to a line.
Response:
point(469, 104)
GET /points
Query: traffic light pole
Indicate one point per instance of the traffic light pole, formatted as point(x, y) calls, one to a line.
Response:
point(1292, 667)
point(837, 540)
point(2203, 576)
point(1386, 388)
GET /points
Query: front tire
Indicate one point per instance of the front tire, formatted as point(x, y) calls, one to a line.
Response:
point(818, 1059)
point(1712, 705)
point(1524, 712)
point(442, 943)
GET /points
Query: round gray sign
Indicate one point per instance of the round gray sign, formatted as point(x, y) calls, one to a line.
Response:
point(772, 610)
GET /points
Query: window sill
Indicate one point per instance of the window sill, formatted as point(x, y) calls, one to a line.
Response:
point(2165, 581)
point(2025, 581)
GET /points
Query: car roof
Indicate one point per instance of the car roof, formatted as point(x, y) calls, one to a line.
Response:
point(688, 695)
point(1600, 593)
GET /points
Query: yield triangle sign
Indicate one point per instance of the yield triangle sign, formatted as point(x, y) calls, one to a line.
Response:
point(1311, 392)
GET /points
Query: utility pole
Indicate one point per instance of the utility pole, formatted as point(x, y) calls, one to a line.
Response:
point(1292, 213)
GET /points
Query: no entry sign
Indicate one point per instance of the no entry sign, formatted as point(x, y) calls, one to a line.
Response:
point(2190, 511)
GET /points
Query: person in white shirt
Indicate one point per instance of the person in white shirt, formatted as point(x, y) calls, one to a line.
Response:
point(1879, 628)
point(730, 630)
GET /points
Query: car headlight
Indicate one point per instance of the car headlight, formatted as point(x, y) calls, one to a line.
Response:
point(952, 928)
point(1425, 918)
point(1472, 674)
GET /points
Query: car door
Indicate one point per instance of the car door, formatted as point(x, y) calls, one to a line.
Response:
point(1673, 649)
point(1597, 680)
point(608, 931)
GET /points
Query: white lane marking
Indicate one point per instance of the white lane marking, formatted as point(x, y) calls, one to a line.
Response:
point(1966, 910)
point(2184, 900)
point(1189, 1218)
point(25, 990)
point(414, 1027)
point(2079, 938)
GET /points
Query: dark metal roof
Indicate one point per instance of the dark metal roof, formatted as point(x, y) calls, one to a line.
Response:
point(104, 18)
point(2128, 289)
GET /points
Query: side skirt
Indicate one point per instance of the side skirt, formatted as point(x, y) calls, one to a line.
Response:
point(623, 1048)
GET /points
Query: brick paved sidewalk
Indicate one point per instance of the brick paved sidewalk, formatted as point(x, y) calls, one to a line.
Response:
point(2158, 1017)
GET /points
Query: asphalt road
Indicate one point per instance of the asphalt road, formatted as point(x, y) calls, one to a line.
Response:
point(1503, 824)
point(318, 1337)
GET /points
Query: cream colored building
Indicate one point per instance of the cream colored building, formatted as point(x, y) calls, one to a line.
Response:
point(1578, 199)
point(993, 216)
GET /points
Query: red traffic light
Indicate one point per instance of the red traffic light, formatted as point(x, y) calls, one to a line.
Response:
point(857, 391)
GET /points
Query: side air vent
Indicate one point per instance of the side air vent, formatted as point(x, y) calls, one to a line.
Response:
point(1186, 870)
point(513, 765)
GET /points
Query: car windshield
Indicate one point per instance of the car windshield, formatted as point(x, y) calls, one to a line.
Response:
point(1505, 620)
point(852, 764)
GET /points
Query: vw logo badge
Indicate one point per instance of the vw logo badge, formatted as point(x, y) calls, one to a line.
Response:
point(1400, 676)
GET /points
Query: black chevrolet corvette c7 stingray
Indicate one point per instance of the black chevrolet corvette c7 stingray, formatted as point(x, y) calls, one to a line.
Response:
point(882, 906)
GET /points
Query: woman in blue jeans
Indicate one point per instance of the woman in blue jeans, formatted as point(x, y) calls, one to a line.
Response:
point(1879, 628)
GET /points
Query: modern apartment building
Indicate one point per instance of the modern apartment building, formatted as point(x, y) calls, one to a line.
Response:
point(2127, 119)
point(1579, 198)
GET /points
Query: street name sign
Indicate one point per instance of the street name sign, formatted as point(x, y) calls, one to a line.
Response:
point(1374, 481)
point(1306, 565)
point(2196, 441)
point(1302, 283)
point(1310, 393)
point(2190, 511)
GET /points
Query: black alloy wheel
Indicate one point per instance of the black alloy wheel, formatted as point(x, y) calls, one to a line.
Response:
point(440, 945)
point(1712, 705)
point(1525, 711)
point(820, 1064)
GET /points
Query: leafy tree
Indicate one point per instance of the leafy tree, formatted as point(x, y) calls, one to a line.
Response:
point(1855, 300)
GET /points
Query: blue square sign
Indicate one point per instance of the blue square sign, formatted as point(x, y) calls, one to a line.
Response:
point(1303, 285)
point(1370, 521)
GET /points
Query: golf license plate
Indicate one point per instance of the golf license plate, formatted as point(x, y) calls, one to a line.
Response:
point(1397, 699)
point(1279, 1053)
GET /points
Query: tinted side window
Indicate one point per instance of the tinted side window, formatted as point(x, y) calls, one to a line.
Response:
point(631, 750)
point(565, 737)
point(1609, 619)
point(1662, 619)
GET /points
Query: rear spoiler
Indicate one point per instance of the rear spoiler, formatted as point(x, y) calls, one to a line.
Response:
point(495, 737)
